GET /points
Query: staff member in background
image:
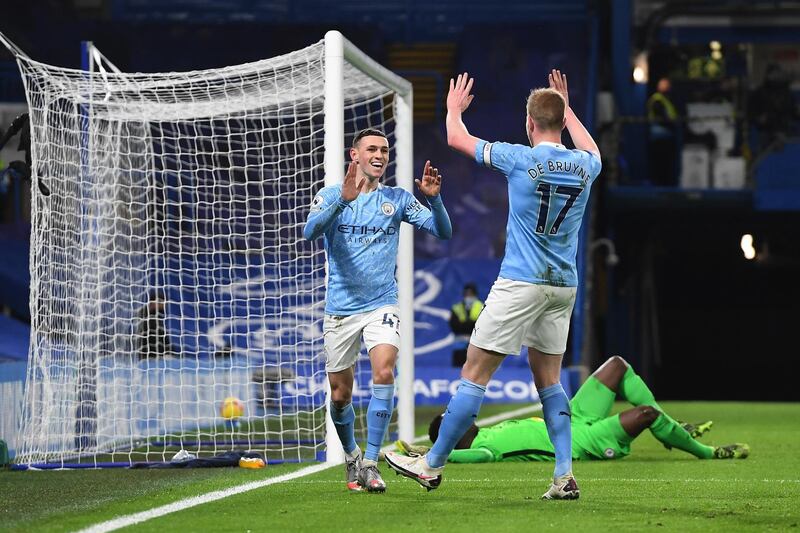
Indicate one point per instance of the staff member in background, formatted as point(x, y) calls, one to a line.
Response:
point(153, 339)
point(462, 319)
point(664, 135)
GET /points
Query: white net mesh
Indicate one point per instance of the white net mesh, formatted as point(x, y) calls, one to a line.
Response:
point(168, 267)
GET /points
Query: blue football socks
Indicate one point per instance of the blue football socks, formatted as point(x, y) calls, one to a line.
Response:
point(343, 420)
point(461, 413)
point(557, 417)
point(379, 414)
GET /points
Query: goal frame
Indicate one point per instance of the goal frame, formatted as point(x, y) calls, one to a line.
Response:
point(337, 50)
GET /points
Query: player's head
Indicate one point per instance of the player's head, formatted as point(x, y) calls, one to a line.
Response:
point(466, 440)
point(546, 109)
point(371, 151)
point(664, 85)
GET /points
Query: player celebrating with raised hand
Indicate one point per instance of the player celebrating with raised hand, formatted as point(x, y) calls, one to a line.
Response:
point(360, 220)
point(531, 302)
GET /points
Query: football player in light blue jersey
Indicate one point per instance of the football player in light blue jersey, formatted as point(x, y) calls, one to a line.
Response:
point(531, 302)
point(360, 221)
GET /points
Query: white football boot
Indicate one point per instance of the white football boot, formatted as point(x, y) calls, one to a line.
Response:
point(415, 468)
point(563, 488)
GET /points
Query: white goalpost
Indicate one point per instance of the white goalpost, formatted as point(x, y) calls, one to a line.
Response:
point(168, 267)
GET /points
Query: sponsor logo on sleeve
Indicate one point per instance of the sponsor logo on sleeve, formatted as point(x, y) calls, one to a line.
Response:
point(413, 207)
point(316, 203)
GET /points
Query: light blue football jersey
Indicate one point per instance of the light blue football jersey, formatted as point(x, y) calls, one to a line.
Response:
point(548, 188)
point(361, 245)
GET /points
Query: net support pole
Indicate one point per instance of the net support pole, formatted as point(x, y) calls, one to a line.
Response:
point(86, 411)
point(334, 173)
point(12, 47)
point(405, 272)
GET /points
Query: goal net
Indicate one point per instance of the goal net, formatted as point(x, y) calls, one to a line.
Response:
point(168, 267)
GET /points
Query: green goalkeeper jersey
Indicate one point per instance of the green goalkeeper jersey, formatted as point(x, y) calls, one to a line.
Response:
point(527, 440)
point(512, 440)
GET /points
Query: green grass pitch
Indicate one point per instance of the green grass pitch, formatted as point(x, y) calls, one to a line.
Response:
point(653, 489)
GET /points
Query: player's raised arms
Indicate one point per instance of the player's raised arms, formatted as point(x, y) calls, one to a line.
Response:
point(580, 136)
point(459, 98)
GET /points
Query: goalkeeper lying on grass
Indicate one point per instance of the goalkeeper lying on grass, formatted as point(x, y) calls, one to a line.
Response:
point(595, 434)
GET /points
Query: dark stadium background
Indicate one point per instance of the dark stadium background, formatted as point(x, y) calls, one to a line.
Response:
point(683, 304)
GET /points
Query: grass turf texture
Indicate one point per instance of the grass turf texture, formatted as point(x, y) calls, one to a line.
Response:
point(653, 488)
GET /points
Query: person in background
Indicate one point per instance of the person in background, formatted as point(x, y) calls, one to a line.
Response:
point(153, 338)
point(771, 107)
point(662, 116)
point(462, 320)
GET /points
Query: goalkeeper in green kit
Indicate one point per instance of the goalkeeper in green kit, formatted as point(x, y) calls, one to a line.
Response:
point(595, 434)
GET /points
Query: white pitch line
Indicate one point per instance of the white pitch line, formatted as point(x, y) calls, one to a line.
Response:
point(488, 421)
point(180, 505)
point(583, 478)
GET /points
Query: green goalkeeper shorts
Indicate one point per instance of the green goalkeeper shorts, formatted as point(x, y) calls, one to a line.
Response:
point(595, 435)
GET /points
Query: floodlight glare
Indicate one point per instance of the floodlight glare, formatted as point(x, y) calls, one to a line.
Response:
point(747, 246)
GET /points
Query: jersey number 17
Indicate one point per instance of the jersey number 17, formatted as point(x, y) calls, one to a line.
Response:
point(544, 207)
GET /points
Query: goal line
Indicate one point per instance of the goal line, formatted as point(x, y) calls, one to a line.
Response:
point(180, 505)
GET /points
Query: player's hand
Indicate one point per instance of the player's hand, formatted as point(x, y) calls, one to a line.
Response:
point(431, 182)
point(350, 190)
point(558, 82)
point(459, 97)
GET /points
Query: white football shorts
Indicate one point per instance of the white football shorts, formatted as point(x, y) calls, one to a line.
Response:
point(520, 314)
point(342, 335)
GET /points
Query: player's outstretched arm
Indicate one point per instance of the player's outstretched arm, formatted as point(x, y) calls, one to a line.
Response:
point(580, 136)
point(438, 224)
point(325, 210)
point(470, 455)
point(458, 100)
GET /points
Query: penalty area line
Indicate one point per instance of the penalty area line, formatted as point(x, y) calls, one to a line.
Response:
point(187, 503)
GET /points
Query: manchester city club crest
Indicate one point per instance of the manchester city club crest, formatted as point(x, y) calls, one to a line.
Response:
point(387, 208)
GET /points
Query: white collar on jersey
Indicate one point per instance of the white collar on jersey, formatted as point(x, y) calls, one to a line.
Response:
point(554, 145)
point(378, 188)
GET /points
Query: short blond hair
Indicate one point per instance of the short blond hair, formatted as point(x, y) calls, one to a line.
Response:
point(546, 107)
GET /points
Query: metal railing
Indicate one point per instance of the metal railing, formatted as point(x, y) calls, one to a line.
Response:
point(611, 137)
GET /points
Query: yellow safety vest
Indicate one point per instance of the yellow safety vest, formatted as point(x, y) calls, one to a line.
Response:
point(461, 313)
point(669, 107)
